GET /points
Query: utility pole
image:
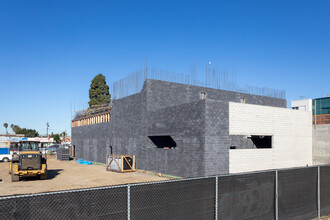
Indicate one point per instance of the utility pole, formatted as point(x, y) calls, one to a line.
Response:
point(47, 125)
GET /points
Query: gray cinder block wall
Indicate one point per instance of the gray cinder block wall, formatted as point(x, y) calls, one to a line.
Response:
point(200, 129)
point(185, 124)
point(321, 144)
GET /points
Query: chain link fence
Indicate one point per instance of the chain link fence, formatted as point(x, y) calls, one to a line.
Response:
point(184, 199)
point(300, 193)
point(248, 196)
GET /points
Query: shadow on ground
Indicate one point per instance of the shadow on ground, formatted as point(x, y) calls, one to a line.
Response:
point(51, 175)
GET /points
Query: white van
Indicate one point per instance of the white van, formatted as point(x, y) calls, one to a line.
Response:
point(5, 155)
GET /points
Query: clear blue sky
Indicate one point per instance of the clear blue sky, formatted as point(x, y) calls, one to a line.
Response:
point(51, 50)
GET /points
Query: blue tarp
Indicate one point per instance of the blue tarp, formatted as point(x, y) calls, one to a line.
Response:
point(83, 162)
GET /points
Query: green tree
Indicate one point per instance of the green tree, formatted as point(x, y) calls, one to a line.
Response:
point(99, 91)
point(63, 134)
point(15, 129)
point(6, 126)
point(56, 137)
point(27, 132)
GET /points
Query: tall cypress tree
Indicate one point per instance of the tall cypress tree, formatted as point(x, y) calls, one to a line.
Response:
point(99, 91)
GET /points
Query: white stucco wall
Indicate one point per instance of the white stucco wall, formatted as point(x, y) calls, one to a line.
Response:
point(291, 141)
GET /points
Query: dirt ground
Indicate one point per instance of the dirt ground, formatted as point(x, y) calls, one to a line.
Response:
point(64, 175)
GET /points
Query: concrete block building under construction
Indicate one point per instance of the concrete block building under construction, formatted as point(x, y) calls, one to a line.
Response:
point(187, 131)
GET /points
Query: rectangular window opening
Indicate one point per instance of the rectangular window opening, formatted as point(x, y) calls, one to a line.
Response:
point(165, 141)
point(261, 141)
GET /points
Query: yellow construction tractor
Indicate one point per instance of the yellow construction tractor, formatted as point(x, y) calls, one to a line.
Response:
point(28, 162)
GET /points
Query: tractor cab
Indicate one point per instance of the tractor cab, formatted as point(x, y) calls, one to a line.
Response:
point(29, 146)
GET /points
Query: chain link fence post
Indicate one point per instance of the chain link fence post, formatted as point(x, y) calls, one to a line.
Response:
point(128, 202)
point(318, 193)
point(216, 198)
point(276, 194)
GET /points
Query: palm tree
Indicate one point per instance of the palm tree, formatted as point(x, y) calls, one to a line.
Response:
point(6, 126)
point(16, 129)
point(63, 134)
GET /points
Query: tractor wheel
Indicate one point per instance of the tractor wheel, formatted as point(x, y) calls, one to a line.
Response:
point(43, 176)
point(14, 178)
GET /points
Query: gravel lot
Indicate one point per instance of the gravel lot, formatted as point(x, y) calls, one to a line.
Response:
point(64, 175)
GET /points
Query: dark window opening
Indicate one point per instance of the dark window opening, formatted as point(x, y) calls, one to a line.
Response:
point(165, 142)
point(232, 147)
point(261, 141)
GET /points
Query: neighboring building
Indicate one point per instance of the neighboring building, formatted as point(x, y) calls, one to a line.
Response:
point(321, 131)
point(321, 126)
point(45, 141)
point(305, 105)
point(189, 131)
point(19, 137)
point(321, 110)
point(12, 135)
point(66, 139)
